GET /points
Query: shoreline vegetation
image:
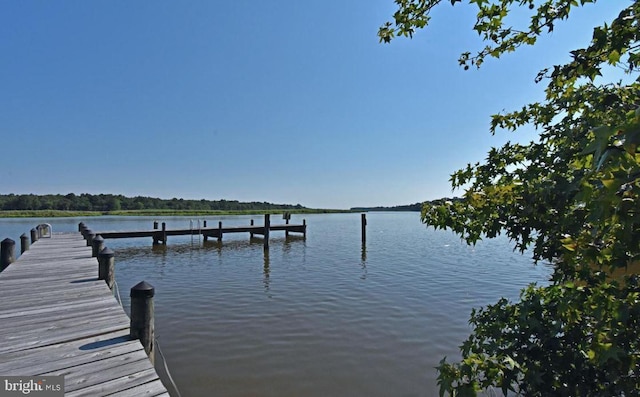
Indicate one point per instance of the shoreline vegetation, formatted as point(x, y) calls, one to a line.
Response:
point(72, 205)
point(417, 207)
point(75, 214)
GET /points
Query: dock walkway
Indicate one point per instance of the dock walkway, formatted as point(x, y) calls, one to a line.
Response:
point(57, 318)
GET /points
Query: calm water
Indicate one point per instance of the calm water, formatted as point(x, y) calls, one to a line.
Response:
point(316, 317)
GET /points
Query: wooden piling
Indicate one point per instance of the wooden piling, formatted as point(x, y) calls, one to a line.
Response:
point(81, 226)
point(142, 317)
point(251, 233)
point(106, 266)
point(204, 223)
point(219, 231)
point(164, 233)
point(24, 243)
point(7, 253)
point(304, 229)
point(97, 245)
point(90, 236)
point(34, 235)
point(363, 219)
point(287, 216)
point(155, 225)
point(267, 226)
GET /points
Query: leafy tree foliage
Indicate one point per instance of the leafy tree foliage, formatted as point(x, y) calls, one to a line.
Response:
point(572, 197)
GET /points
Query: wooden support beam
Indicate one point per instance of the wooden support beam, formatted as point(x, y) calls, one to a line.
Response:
point(24, 243)
point(267, 226)
point(7, 253)
point(107, 267)
point(142, 317)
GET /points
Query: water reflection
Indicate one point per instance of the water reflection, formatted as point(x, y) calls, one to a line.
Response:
point(159, 249)
point(363, 260)
point(266, 272)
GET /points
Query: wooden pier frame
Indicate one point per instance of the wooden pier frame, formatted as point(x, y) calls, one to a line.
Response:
point(160, 236)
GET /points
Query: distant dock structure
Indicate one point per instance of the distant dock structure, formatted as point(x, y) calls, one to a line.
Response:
point(160, 233)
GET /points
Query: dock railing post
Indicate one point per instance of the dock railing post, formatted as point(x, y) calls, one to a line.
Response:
point(7, 253)
point(155, 225)
point(97, 245)
point(34, 235)
point(204, 223)
point(267, 226)
point(106, 266)
point(142, 317)
point(24, 243)
point(363, 219)
point(81, 226)
point(90, 236)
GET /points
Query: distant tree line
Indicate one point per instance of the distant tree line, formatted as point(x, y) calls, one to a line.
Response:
point(111, 202)
point(408, 207)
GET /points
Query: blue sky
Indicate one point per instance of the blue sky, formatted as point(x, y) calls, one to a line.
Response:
point(285, 101)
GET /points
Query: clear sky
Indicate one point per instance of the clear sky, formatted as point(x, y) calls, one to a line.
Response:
point(285, 101)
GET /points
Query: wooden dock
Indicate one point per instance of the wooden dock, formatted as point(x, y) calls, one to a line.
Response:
point(57, 318)
point(160, 235)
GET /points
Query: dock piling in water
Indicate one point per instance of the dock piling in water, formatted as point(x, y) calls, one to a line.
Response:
point(286, 216)
point(7, 253)
point(90, 236)
point(142, 317)
point(267, 226)
point(97, 245)
point(106, 266)
point(24, 243)
point(363, 219)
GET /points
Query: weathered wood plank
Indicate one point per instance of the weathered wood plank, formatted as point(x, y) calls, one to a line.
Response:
point(151, 389)
point(115, 385)
point(31, 339)
point(58, 354)
point(30, 307)
point(55, 317)
point(94, 373)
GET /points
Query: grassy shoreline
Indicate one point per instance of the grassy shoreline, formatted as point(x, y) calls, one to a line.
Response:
point(75, 214)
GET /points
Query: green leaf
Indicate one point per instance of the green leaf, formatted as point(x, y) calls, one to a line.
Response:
point(614, 57)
